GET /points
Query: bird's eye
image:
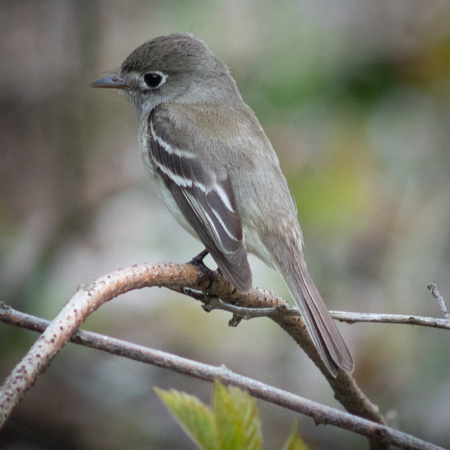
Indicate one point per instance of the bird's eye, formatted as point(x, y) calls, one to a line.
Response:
point(154, 79)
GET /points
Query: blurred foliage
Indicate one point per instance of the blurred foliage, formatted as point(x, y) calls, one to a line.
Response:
point(355, 97)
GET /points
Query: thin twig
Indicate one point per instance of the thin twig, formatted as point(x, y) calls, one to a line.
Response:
point(401, 319)
point(211, 303)
point(319, 413)
point(441, 302)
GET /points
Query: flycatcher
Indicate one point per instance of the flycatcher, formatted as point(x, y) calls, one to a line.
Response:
point(216, 171)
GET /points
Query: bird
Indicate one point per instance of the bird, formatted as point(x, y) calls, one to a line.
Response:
point(216, 171)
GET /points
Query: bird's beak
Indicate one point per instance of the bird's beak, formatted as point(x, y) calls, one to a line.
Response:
point(111, 81)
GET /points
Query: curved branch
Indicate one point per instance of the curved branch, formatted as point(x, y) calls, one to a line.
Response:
point(178, 277)
point(319, 413)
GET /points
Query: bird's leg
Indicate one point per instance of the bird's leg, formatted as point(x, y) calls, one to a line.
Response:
point(198, 260)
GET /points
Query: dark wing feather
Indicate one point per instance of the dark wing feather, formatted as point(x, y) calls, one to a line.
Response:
point(205, 198)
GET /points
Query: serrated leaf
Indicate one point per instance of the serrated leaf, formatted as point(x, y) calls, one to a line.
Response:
point(247, 407)
point(294, 441)
point(195, 417)
point(229, 426)
point(237, 418)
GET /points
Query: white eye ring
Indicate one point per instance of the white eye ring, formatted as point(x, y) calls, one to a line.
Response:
point(154, 80)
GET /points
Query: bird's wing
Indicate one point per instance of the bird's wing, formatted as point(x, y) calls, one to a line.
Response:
point(204, 196)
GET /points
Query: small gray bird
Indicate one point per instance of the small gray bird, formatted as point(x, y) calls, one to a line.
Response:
point(216, 171)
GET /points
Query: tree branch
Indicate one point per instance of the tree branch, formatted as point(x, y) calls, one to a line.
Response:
point(401, 319)
point(319, 413)
point(197, 281)
point(441, 302)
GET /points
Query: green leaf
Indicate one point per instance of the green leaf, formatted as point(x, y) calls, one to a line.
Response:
point(294, 441)
point(193, 416)
point(237, 418)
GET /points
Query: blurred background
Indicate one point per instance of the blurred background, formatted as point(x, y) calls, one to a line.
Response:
point(355, 97)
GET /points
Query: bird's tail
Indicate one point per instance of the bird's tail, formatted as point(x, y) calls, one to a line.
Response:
point(321, 327)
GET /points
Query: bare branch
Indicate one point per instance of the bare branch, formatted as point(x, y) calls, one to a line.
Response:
point(441, 302)
point(244, 313)
point(196, 281)
point(177, 277)
point(319, 413)
point(350, 317)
